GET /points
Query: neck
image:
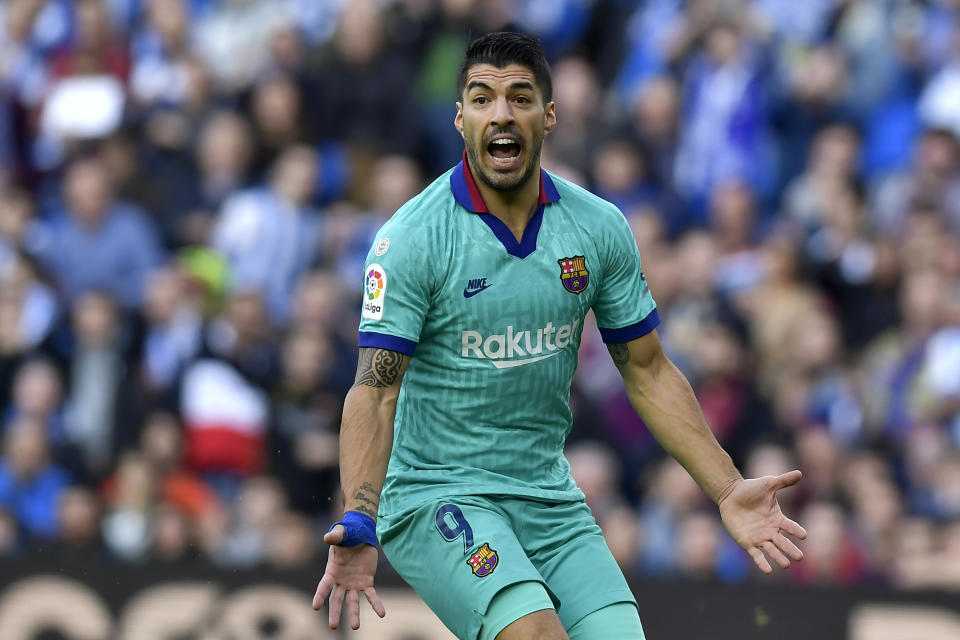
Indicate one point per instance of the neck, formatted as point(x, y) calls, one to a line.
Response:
point(516, 206)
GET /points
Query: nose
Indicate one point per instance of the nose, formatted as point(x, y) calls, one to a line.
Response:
point(502, 113)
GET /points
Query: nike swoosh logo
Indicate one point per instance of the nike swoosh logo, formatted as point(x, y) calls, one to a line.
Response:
point(469, 294)
point(506, 364)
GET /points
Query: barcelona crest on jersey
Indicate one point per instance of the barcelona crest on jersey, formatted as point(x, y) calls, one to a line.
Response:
point(574, 274)
point(483, 561)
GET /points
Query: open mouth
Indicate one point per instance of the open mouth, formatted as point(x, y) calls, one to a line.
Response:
point(504, 149)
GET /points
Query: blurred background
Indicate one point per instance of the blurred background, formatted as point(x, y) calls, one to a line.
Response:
point(188, 189)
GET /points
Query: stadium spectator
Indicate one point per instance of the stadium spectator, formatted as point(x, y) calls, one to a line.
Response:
point(193, 182)
point(85, 97)
point(394, 179)
point(895, 397)
point(279, 122)
point(575, 86)
point(30, 482)
point(815, 98)
point(172, 332)
point(78, 515)
point(95, 357)
point(933, 180)
point(38, 397)
point(20, 278)
point(360, 76)
point(291, 542)
point(669, 495)
point(321, 304)
point(271, 235)
point(723, 129)
point(161, 51)
point(223, 402)
point(303, 435)
point(161, 444)
point(832, 162)
point(173, 539)
point(233, 39)
point(129, 497)
point(16, 221)
point(98, 243)
point(833, 555)
point(654, 119)
point(259, 504)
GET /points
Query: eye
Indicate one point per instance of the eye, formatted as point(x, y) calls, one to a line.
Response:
point(480, 100)
point(523, 99)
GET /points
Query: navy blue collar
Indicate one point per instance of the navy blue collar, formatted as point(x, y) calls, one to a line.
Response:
point(467, 195)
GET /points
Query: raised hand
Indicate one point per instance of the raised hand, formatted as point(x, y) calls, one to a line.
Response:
point(753, 518)
point(349, 572)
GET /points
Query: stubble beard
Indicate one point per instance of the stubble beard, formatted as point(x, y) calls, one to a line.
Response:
point(499, 181)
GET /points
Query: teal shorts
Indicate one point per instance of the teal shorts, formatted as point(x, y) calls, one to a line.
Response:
point(458, 553)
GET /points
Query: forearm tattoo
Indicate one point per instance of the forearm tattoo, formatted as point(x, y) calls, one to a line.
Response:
point(379, 367)
point(619, 352)
point(367, 499)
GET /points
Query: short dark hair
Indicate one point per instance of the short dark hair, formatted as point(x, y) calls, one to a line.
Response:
point(502, 49)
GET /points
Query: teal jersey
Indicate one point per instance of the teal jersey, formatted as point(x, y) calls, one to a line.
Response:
point(493, 326)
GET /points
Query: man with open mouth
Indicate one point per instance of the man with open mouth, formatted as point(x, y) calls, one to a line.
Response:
point(451, 445)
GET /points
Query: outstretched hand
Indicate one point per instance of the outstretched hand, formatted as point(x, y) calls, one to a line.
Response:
point(349, 571)
point(753, 518)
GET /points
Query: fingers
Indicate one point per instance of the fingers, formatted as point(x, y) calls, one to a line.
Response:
point(323, 590)
point(353, 609)
point(772, 552)
point(335, 535)
point(793, 529)
point(374, 601)
point(787, 479)
point(760, 560)
point(336, 605)
point(792, 550)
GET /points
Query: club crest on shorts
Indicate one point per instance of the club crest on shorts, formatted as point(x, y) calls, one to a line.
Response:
point(574, 274)
point(483, 561)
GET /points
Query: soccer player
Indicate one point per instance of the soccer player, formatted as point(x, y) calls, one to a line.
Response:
point(451, 444)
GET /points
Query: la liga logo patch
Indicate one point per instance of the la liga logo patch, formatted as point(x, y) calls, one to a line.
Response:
point(374, 291)
point(483, 561)
point(574, 274)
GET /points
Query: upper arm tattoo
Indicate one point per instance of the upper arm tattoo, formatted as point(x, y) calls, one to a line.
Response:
point(619, 352)
point(379, 367)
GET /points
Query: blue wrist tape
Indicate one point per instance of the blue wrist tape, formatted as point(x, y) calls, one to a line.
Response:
point(361, 529)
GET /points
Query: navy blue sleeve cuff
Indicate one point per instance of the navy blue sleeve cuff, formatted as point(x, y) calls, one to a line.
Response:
point(386, 341)
point(631, 332)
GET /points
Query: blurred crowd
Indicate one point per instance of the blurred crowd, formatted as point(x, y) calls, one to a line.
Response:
point(188, 189)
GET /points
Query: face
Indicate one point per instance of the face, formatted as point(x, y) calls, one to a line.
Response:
point(503, 121)
point(88, 191)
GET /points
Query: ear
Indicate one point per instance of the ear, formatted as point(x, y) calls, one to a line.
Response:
point(549, 117)
point(458, 119)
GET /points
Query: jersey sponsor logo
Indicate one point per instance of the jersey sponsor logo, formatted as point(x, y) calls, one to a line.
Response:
point(517, 348)
point(374, 291)
point(483, 561)
point(474, 287)
point(574, 274)
point(382, 247)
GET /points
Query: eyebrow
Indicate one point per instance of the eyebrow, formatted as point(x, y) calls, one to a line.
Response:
point(522, 85)
point(476, 84)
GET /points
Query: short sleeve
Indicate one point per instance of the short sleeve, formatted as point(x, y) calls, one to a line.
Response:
point(624, 306)
point(396, 292)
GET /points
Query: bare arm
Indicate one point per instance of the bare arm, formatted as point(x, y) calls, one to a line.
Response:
point(661, 395)
point(366, 431)
point(366, 437)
